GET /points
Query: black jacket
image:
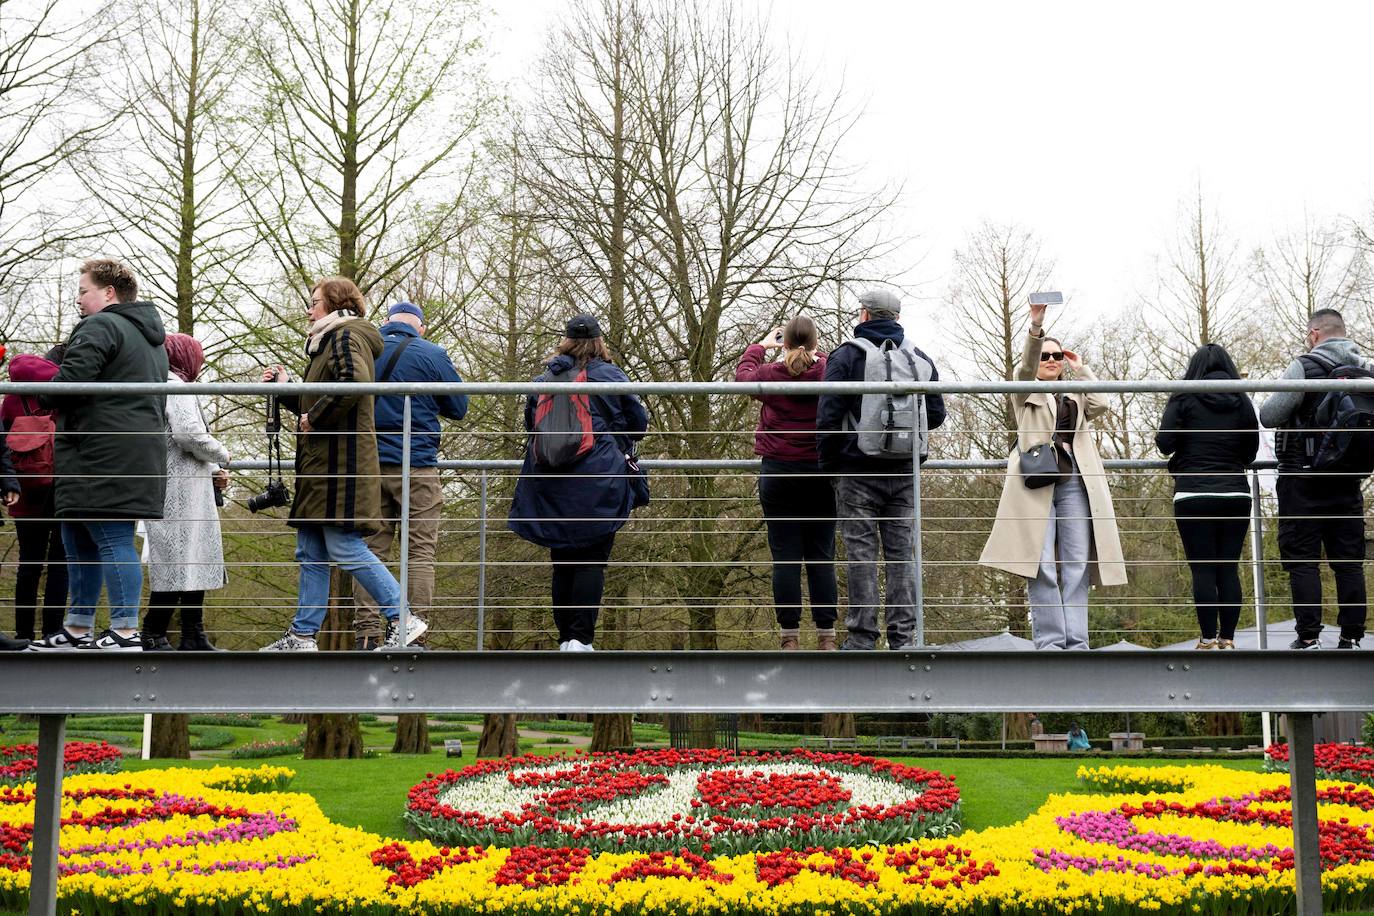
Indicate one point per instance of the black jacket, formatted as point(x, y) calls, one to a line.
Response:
point(838, 450)
point(1211, 439)
point(110, 453)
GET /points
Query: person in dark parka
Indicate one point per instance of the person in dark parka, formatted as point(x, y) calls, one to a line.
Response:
point(109, 456)
point(337, 495)
point(1211, 439)
point(575, 511)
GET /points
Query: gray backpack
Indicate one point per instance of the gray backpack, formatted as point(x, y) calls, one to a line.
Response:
point(886, 421)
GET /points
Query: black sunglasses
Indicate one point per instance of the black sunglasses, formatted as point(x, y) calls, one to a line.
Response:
point(1057, 357)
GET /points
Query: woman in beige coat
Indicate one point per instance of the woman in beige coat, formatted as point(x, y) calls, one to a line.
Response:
point(1064, 535)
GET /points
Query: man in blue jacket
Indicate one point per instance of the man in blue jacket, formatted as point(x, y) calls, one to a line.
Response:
point(874, 496)
point(408, 357)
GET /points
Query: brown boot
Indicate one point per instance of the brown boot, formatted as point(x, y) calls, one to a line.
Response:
point(791, 640)
point(825, 640)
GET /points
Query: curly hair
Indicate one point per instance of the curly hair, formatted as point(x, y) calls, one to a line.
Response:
point(109, 272)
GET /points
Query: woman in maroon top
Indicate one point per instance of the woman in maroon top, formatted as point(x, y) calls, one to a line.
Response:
point(798, 501)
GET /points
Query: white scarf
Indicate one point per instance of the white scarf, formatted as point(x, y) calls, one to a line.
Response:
point(314, 337)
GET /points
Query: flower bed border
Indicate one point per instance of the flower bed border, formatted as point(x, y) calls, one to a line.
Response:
point(934, 814)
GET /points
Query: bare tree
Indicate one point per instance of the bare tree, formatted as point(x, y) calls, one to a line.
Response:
point(997, 268)
point(370, 111)
point(170, 197)
point(1198, 298)
point(46, 54)
point(1315, 267)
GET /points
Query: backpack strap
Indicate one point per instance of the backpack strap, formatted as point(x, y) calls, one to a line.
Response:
point(390, 367)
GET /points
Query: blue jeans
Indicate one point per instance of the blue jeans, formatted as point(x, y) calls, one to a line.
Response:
point(319, 545)
point(1059, 592)
point(102, 554)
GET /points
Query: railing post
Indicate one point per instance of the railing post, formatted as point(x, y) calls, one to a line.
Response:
point(47, 815)
point(1302, 776)
point(1257, 577)
point(917, 586)
point(404, 608)
point(482, 565)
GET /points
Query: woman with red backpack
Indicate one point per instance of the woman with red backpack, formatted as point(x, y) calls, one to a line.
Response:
point(29, 448)
point(579, 481)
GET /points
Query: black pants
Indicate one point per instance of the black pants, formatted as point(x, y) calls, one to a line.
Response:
point(579, 578)
point(40, 547)
point(161, 605)
point(799, 508)
point(1212, 529)
point(1316, 514)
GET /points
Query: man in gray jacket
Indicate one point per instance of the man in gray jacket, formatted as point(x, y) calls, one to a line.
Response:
point(1318, 510)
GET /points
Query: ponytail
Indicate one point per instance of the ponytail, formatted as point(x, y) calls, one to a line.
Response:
point(799, 337)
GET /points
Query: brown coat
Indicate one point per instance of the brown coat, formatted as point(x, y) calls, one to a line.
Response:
point(337, 474)
point(1018, 533)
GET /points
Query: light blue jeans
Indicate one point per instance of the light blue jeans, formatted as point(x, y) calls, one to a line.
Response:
point(102, 555)
point(1059, 592)
point(319, 545)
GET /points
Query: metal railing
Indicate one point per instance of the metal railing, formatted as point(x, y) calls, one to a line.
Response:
point(913, 680)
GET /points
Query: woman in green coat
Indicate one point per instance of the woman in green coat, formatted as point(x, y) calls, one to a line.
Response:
point(338, 499)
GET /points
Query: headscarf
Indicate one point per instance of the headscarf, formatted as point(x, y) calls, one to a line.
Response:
point(185, 356)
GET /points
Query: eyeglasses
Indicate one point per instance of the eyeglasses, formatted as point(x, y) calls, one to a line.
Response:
point(1057, 357)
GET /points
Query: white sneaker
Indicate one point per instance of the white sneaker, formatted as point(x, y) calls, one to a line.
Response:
point(562, 647)
point(61, 641)
point(110, 641)
point(415, 628)
point(292, 642)
point(575, 646)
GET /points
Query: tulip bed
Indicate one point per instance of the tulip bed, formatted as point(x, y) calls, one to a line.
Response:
point(704, 801)
point(226, 841)
point(19, 761)
point(1334, 761)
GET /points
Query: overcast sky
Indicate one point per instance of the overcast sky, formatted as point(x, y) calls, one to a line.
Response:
point(1089, 122)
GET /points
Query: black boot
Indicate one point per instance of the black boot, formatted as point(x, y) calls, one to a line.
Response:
point(12, 645)
point(193, 637)
point(155, 629)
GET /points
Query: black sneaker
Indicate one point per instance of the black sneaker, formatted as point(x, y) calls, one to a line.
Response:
point(1348, 643)
point(61, 641)
point(110, 641)
point(366, 643)
point(1301, 643)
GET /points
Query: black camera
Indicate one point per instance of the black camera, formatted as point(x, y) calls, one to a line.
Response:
point(276, 493)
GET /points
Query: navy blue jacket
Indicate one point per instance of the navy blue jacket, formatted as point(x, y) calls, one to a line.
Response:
point(839, 450)
point(422, 361)
point(590, 500)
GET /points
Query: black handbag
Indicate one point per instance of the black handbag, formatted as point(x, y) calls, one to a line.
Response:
point(639, 481)
point(1040, 465)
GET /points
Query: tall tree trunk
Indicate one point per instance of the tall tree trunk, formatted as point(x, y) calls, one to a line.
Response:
point(329, 737)
point(500, 737)
point(186, 217)
point(612, 732)
point(171, 736)
point(412, 734)
point(333, 737)
point(838, 725)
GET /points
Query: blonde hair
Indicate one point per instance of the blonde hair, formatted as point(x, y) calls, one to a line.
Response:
point(799, 338)
point(341, 294)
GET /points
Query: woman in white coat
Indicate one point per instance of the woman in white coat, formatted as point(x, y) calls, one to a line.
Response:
point(185, 551)
point(1061, 536)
